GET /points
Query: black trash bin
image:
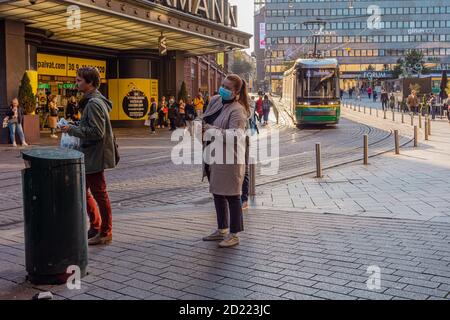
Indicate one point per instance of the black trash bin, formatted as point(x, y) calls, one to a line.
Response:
point(54, 205)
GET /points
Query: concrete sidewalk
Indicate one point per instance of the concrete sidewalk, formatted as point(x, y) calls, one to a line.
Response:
point(157, 253)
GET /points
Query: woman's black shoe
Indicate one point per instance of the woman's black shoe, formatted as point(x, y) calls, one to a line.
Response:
point(92, 233)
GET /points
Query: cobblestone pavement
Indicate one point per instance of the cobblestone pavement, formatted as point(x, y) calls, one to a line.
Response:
point(158, 254)
point(287, 251)
point(413, 185)
point(146, 176)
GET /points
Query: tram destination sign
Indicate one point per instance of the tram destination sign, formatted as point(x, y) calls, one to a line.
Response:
point(220, 11)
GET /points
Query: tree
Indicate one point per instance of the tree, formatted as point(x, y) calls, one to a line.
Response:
point(414, 63)
point(26, 96)
point(241, 67)
point(397, 70)
point(183, 94)
point(444, 84)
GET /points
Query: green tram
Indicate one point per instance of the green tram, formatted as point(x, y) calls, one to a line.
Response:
point(311, 89)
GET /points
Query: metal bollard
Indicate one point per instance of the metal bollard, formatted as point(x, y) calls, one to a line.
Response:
point(370, 110)
point(426, 130)
point(377, 112)
point(393, 115)
point(318, 161)
point(429, 126)
point(252, 174)
point(415, 136)
point(420, 121)
point(366, 149)
point(364, 108)
point(384, 112)
point(412, 119)
point(359, 107)
point(403, 117)
point(397, 142)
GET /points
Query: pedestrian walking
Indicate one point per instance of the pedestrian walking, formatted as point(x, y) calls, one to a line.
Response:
point(199, 104)
point(384, 99)
point(228, 113)
point(259, 108)
point(412, 102)
point(14, 120)
point(392, 101)
point(432, 105)
point(267, 104)
point(72, 111)
point(369, 92)
point(190, 115)
point(152, 115)
point(53, 116)
point(375, 95)
point(100, 153)
point(161, 112)
point(447, 106)
point(172, 113)
point(181, 113)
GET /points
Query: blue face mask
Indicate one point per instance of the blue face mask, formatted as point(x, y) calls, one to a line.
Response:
point(226, 94)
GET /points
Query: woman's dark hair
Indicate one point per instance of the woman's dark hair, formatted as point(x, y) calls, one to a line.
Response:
point(241, 87)
point(266, 97)
point(90, 75)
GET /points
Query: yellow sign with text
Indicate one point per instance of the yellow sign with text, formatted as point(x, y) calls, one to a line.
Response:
point(73, 64)
point(131, 97)
point(51, 65)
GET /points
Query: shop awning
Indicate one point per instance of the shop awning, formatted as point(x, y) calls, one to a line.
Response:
point(126, 25)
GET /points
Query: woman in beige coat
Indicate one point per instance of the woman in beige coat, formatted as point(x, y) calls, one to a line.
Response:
point(226, 117)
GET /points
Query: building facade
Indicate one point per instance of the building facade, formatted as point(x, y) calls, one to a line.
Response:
point(367, 37)
point(142, 48)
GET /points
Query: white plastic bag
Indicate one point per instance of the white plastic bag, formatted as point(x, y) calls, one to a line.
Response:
point(70, 142)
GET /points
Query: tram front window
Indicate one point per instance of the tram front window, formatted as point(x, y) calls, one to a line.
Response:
point(318, 83)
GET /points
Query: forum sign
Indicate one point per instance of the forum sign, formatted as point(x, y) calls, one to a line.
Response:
point(219, 11)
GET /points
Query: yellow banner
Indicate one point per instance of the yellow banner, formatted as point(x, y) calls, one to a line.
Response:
point(221, 59)
point(51, 65)
point(75, 63)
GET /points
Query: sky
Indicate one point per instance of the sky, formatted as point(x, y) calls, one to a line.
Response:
point(245, 18)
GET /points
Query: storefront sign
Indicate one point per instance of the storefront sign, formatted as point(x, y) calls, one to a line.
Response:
point(131, 97)
point(135, 103)
point(53, 65)
point(75, 63)
point(219, 11)
point(376, 75)
point(422, 31)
